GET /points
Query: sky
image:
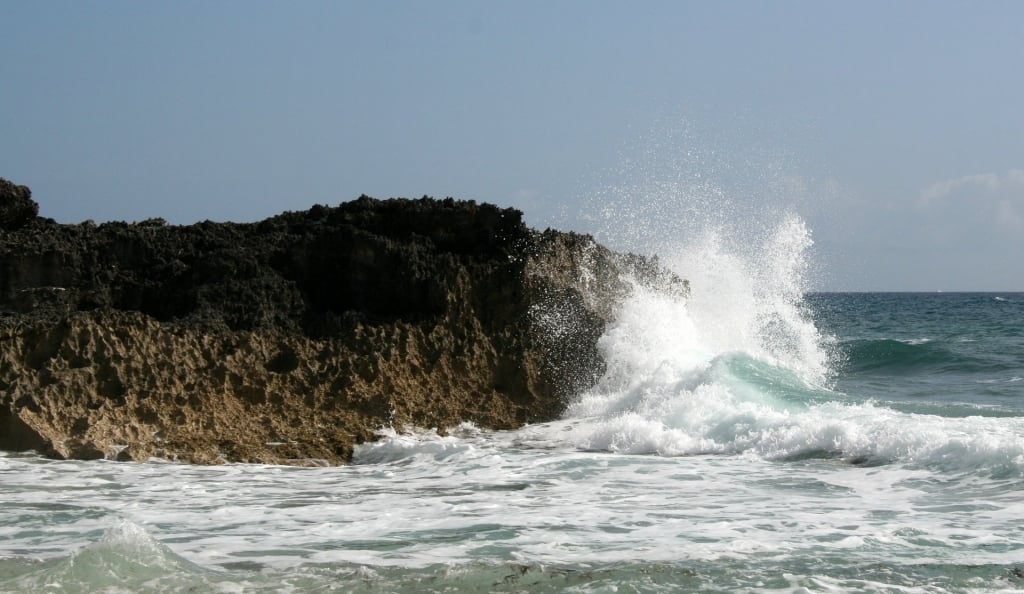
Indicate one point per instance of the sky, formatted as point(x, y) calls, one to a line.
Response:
point(895, 130)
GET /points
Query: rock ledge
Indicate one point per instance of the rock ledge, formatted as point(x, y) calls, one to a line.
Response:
point(293, 339)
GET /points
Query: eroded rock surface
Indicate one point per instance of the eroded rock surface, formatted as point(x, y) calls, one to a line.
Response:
point(293, 339)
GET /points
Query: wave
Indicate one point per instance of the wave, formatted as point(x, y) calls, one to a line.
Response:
point(713, 420)
point(126, 559)
point(899, 357)
point(739, 368)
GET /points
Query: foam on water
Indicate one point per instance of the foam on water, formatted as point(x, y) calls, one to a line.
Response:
point(504, 516)
point(393, 445)
point(738, 367)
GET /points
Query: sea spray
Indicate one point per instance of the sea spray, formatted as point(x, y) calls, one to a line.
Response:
point(738, 350)
point(738, 367)
point(722, 215)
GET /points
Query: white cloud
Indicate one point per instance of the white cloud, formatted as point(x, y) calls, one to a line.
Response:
point(999, 198)
point(982, 181)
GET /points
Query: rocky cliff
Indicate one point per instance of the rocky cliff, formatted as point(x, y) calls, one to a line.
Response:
point(292, 339)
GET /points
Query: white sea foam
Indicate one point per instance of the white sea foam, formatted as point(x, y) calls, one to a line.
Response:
point(393, 445)
point(917, 341)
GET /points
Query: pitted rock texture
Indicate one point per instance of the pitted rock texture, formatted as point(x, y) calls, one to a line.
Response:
point(293, 339)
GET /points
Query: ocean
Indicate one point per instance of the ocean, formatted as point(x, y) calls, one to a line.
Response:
point(753, 437)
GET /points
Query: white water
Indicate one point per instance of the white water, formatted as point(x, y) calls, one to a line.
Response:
point(437, 505)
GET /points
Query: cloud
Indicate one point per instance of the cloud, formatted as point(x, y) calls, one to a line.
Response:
point(1008, 216)
point(991, 182)
point(999, 198)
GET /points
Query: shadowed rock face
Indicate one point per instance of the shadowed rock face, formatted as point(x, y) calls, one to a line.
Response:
point(293, 339)
point(17, 208)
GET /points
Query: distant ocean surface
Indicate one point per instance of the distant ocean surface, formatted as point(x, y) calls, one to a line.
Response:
point(752, 438)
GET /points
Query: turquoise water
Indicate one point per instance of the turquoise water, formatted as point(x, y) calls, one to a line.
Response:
point(748, 439)
point(930, 349)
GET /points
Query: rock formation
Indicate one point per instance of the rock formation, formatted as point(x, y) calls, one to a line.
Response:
point(292, 339)
point(17, 208)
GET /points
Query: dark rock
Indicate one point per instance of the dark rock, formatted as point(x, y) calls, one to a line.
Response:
point(17, 208)
point(295, 338)
point(15, 435)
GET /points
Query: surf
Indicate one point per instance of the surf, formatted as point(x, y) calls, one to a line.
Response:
point(738, 367)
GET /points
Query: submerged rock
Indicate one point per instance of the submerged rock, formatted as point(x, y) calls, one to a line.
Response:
point(293, 339)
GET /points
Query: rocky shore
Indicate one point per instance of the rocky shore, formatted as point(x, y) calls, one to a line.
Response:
point(293, 339)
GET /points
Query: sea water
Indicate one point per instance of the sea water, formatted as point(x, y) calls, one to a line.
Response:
point(752, 437)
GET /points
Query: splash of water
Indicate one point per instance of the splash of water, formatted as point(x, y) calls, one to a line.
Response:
point(738, 367)
point(686, 375)
point(721, 212)
point(741, 342)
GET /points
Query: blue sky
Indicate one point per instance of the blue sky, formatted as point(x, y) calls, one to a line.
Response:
point(895, 129)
